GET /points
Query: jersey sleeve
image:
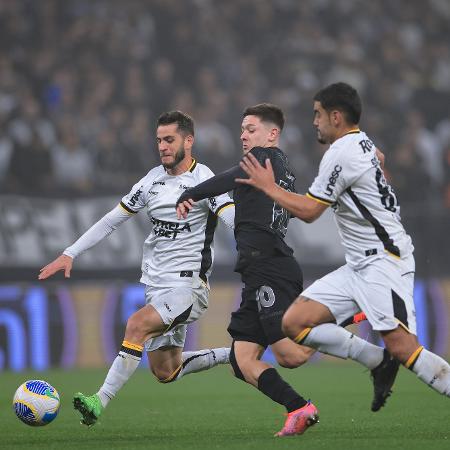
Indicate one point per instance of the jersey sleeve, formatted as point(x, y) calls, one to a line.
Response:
point(217, 203)
point(135, 200)
point(333, 178)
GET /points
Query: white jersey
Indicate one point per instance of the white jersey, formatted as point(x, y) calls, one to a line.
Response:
point(176, 250)
point(351, 180)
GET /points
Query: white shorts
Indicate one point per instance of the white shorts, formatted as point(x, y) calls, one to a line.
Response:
point(177, 307)
point(383, 290)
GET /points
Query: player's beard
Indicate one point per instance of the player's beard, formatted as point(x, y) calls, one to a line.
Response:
point(179, 156)
point(320, 138)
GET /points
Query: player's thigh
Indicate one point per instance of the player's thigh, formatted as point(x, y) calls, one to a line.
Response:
point(384, 291)
point(145, 321)
point(328, 299)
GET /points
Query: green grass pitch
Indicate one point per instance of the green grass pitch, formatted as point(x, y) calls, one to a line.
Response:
point(212, 410)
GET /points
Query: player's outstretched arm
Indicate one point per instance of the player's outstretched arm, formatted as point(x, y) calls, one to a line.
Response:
point(62, 262)
point(263, 179)
point(104, 227)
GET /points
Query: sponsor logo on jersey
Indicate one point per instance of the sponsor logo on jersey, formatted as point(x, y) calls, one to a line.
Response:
point(161, 183)
point(170, 230)
point(366, 145)
point(333, 178)
point(184, 187)
point(153, 192)
point(135, 197)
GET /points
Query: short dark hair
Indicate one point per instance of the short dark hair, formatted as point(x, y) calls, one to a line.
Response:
point(267, 112)
point(344, 98)
point(184, 121)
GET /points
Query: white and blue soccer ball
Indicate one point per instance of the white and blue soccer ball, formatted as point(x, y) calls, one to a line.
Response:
point(36, 402)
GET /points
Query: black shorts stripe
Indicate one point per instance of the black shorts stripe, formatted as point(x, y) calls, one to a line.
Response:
point(126, 208)
point(181, 318)
point(223, 206)
point(206, 263)
point(380, 231)
point(400, 312)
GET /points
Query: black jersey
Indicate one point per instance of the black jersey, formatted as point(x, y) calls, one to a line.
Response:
point(260, 224)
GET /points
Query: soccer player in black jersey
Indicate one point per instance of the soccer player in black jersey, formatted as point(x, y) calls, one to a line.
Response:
point(272, 277)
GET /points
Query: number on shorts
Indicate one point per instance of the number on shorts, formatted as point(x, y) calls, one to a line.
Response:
point(265, 297)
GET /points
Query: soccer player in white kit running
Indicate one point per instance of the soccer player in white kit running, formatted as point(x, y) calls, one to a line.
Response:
point(176, 264)
point(378, 277)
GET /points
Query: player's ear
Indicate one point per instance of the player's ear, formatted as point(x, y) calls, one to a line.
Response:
point(274, 134)
point(189, 140)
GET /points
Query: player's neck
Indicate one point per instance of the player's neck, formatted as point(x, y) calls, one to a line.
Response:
point(182, 167)
point(348, 129)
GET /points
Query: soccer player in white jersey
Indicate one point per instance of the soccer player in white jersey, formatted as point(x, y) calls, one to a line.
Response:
point(378, 277)
point(176, 264)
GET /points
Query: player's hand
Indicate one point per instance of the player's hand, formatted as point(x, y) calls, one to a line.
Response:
point(184, 207)
point(62, 262)
point(259, 177)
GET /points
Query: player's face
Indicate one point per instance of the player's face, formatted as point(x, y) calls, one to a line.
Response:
point(172, 145)
point(322, 122)
point(255, 133)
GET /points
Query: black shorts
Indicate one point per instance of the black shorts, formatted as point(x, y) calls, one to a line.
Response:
point(270, 287)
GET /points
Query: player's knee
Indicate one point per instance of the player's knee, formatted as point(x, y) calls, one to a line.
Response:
point(134, 328)
point(293, 359)
point(162, 374)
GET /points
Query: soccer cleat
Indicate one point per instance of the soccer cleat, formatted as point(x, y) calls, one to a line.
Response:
point(299, 420)
point(383, 378)
point(89, 407)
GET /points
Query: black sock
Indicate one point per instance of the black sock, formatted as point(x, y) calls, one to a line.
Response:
point(271, 384)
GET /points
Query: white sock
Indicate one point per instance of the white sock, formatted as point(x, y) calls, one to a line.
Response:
point(121, 370)
point(336, 341)
point(203, 360)
point(433, 370)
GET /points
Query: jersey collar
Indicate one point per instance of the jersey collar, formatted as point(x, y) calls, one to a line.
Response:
point(355, 131)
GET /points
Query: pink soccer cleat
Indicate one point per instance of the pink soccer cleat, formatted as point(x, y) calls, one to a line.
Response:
point(299, 420)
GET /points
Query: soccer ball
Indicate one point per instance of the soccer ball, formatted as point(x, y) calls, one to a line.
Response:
point(36, 402)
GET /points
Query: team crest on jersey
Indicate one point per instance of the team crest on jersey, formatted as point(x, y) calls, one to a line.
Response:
point(170, 230)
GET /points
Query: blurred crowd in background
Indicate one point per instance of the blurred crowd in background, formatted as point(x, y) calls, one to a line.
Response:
point(82, 83)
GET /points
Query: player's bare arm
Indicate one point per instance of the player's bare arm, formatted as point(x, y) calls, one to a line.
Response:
point(62, 262)
point(263, 179)
point(381, 157)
